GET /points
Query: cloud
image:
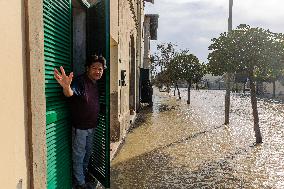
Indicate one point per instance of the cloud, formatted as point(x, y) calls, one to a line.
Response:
point(193, 23)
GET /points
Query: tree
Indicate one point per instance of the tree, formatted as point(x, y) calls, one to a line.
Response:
point(253, 51)
point(160, 60)
point(275, 71)
point(162, 79)
point(173, 70)
point(165, 52)
point(187, 68)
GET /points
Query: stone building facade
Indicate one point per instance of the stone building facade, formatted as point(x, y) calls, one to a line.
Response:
point(127, 57)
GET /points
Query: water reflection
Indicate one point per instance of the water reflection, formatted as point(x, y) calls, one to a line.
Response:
point(187, 146)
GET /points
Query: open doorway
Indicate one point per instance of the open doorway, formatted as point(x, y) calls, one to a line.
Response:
point(72, 31)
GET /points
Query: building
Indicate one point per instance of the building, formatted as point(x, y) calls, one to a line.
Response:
point(150, 29)
point(210, 81)
point(278, 89)
point(150, 33)
point(128, 37)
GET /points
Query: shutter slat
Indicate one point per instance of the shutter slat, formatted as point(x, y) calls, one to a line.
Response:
point(53, 9)
point(57, 28)
point(53, 44)
point(51, 38)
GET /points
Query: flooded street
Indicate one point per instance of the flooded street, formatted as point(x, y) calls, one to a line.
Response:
point(176, 145)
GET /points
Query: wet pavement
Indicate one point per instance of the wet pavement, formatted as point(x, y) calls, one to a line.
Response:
point(175, 145)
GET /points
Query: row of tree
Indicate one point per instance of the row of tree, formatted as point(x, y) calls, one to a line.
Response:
point(255, 53)
point(171, 67)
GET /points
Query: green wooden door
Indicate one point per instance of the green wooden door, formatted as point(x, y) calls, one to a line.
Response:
point(98, 42)
point(57, 52)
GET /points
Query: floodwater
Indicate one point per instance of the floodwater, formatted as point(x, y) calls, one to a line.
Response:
point(175, 145)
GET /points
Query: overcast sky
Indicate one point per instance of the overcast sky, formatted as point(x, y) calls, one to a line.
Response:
point(192, 24)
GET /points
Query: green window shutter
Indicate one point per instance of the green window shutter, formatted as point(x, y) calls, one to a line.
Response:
point(57, 52)
point(98, 42)
point(99, 165)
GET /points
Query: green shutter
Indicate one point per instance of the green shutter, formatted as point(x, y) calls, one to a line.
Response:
point(98, 42)
point(57, 52)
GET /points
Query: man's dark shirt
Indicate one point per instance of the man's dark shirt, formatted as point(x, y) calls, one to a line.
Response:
point(84, 103)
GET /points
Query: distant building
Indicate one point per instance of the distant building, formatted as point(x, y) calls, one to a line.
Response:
point(268, 89)
point(150, 33)
point(210, 81)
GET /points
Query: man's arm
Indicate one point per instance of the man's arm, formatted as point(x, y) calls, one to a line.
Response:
point(68, 92)
point(64, 81)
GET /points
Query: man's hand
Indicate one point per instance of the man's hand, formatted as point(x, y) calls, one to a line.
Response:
point(64, 81)
point(62, 78)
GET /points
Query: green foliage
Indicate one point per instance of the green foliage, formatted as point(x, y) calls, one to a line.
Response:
point(173, 69)
point(159, 63)
point(165, 52)
point(169, 66)
point(255, 52)
point(186, 67)
point(162, 79)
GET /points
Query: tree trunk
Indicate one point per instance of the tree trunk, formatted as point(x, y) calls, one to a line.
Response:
point(227, 99)
point(274, 88)
point(175, 89)
point(188, 91)
point(256, 88)
point(244, 88)
point(179, 97)
point(255, 111)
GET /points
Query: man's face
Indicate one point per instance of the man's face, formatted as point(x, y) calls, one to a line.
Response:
point(95, 71)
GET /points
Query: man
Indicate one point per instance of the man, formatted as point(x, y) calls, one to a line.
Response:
point(83, 94)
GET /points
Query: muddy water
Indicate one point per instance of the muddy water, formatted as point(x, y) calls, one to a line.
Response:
point(176, 145)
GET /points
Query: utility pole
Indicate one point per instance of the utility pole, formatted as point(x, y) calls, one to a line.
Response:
point(230, 15)
point(228, 76)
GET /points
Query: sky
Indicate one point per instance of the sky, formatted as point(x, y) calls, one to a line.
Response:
point(191, 24)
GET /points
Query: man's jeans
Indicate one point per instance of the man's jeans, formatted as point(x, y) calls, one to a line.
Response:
point(82, 143)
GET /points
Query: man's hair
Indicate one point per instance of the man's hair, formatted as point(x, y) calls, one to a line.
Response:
point(95, 58)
